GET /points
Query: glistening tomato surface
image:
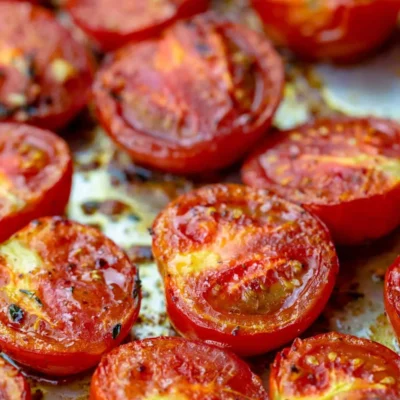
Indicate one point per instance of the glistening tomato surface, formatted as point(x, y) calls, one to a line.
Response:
point(112, 24)
point(45, 75)
point(335, 367)
point(392, 295)
point(35, 176)
point(342, 30)
point(174, 369)
point(345, 171)
point(13, 385)
point(195, 100)
point(242, 268)
point(68, 295)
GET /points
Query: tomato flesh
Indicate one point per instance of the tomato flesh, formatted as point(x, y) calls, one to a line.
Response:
point(334, 367)
point(68, 295)
point(45, 75)
point(174, 369)
point(329, 29)
point(13, 385)
point(242, 268)
point(35, 176)
point(230, 84)
point(346, 171)
point(392, 295)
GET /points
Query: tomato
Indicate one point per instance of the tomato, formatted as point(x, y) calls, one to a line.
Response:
point(174, 368)
point(68, 295)
point(342, 30)
point(242, 268)
point(392, 295)
point(35, 176)
point(346, 171)
point(333, 366)
point(45, 75)
point(112, 24)
point(230, 83)
point(13, 386)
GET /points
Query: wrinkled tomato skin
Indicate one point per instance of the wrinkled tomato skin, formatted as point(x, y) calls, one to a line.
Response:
point(112, 39)
point(365, 217)
point(246, 314)
point(45, 193)
point(194, 124)
point(335, 366)
point(392, 295)
point(61, 322)
point(13, 385)
point(46, 75)
point(329, 29)
point(175, 368)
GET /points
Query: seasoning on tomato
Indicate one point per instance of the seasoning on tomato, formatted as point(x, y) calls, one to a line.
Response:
point(13, 385)
point(335, 366)
point(35, 176)
point(113, 24)
point(392, 295)
point(174, 368)
point(195, 100)
point(346, 171)
point(242, 268)
point(68, 295)
point(45, 75)
point(329, 29)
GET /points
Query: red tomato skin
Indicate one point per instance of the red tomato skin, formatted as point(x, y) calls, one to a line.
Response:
point(391, 292)
point(109, 40)
point(287, 22)
point(51, 202)
point(220, 149)
point(13, 384)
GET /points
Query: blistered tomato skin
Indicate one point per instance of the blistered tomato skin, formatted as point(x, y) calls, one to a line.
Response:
point(230, 84)
point(335, 366)
point(68, 295)
point(392, 295)
point(242, 268)
point(174, 369)
point(13, 385)
point(112, 25)
point(35, 176)
point(346, 171)
point(329, 29)
point(45, 75)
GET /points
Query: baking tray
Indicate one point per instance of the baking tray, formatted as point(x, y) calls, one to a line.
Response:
point(122, 199)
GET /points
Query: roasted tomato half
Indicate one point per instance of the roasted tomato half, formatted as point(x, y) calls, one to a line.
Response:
point(13, 386)
point(342, 30)
point(35, 176)
point(194, 100)
point(243, 268)
point(112, 24)
point(345, 171)
point(392, 295)
point(45, 75)
point(67, 296)
point(333, 366)
point(174, 368)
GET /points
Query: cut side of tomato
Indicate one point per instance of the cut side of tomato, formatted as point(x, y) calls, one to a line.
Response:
point(242, 268)
point(341, 30)
point(174, 369)
point(45, 75)
point(35, 176)
point(346, 171)
point(335, 366)
point(392, 295)
point(112, 25)
point(13, 385)
point(68, 295)
point(230, 84)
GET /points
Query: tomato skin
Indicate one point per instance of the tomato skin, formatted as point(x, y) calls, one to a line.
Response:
point(336, 366)
point(175, 368)
point(196, 123)
point(329, 29)
point(392, 286)
point(69, 295)
point(345, 217)
point(13, 385)
point(126, 31)
point(45, 190)
point(230, 276)
point(46, 75)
